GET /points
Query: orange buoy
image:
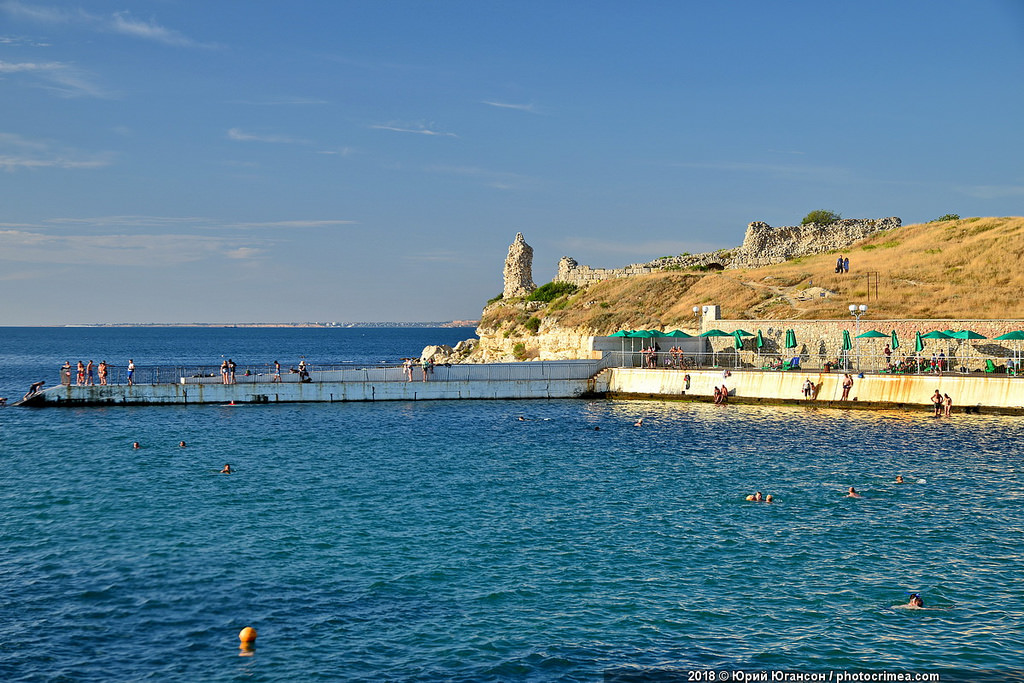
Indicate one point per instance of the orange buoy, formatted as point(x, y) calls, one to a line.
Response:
point(248, 636)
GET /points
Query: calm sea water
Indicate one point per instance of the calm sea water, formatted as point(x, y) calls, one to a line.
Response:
point(452, 541)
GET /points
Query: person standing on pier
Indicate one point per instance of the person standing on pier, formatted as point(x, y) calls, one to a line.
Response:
point(277, 372)
point(80, 374)
point(131, 372)
point(103, 373)
point(847, 385)
point(224, 372)
point(90, 374)
point(65, 373)
point(231, 371)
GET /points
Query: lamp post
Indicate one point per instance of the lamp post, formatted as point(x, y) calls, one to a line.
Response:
point(700, 324)
point(857, 311)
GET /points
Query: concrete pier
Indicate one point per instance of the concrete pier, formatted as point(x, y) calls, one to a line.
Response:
point(993, 393)
point(552, 379)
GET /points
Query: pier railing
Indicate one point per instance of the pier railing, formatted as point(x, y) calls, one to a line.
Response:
point(346, 372)
point(844, 361)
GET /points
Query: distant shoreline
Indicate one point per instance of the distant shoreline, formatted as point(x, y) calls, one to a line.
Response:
point(447, 323)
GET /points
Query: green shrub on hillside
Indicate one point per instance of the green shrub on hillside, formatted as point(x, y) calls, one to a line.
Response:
point(519, 350)
point(495, 299)
point(820, 216)
point(533, 324)
point(551, 291)
point(947, 217)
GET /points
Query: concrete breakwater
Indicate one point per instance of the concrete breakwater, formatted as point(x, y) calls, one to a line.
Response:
point(970, 393)
point(556, 379)
point(560, 379)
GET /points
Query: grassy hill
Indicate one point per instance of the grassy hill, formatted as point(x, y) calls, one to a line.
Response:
point(968, 268)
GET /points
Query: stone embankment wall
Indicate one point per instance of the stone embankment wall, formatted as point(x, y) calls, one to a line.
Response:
point(819, 340)
point(762, 245)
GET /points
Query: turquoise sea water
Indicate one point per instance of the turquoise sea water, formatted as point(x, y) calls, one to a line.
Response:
point(452, 541)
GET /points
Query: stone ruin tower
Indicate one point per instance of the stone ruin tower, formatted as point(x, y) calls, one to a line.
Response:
point(518, 269)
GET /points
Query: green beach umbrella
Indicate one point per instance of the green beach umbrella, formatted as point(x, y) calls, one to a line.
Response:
point(847, 344)
point(715, 333)
point(895, 341)
point(760, 340)
point(918, 343)
point(743, 333)
point(790, 339)
point(967, 334)
point(871, 334)
point(1016, 335)
point(620, 333)
point(642, 334)
point(739, 339)
point(934, 335)
point(678, 333)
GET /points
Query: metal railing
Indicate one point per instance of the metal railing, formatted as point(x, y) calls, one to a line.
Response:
point(345, 372)
point(843, 361)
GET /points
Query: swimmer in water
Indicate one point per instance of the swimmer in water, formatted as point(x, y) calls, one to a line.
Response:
point(853, 493)
point(899, 478)
point(181, 444)
point(768, 498)
point(227, 469)
point(135, 444)
point(639, 423)
point(756, 497)
point(915, 601)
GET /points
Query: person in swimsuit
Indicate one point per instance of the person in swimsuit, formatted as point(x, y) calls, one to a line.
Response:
point(90, 374)
point(852, 493)
point(226, 469)
point(915, 601)
point(277, 372)
point(131, 372)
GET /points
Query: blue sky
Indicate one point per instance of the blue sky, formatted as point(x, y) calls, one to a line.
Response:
point(172, 161)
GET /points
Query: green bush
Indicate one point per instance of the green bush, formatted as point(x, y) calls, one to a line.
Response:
point(820, 216)
point(947, 217)
point(495, 299)
point(533, 324)
point(519, 350)
point(551, 291)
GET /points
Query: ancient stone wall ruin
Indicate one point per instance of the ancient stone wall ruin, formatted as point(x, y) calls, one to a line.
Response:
point(762, 245)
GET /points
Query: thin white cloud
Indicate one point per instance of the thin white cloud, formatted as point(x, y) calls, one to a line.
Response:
point(435, 256)
point(126, 25)
point(529, 108)
point(63, 78)
point(496, 179)
point(418, 129)
point(17, 152)
point(283, 101)
point(25, 246)
point(239, 135)
point(763, 168)
point(195, 222)
point(341, 151)
point(121, 23)
point(143, 240)
point(992, 191)
point(293, 224)
point(648, 250)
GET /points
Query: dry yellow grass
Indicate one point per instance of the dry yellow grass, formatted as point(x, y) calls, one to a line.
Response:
point(969, 268)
